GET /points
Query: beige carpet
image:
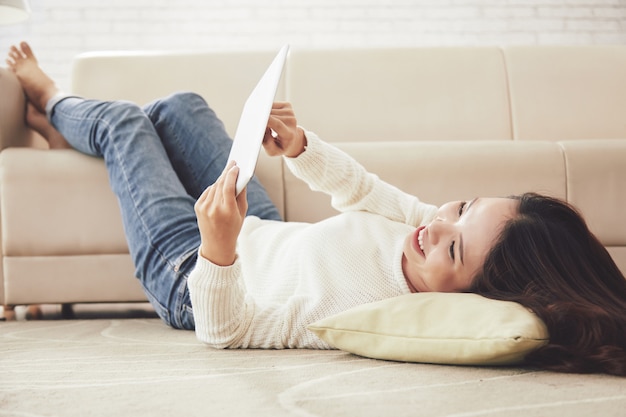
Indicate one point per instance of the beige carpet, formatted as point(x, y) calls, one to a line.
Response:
point(139, 367)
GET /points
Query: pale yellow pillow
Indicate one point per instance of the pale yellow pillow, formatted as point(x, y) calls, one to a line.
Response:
point(444, 328)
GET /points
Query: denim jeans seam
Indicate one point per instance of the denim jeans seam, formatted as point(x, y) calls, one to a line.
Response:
point(182, 290)
point(178, 142)
point(132, 195)
point(70, 116)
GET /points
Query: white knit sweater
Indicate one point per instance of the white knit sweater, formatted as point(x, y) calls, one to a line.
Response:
point(288, 275)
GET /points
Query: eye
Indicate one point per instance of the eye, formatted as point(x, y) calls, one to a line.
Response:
point(462, 205)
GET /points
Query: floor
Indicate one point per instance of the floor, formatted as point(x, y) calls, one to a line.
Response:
point(141, 367)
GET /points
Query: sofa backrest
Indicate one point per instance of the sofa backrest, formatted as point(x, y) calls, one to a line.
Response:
point(456, 93)
point(567, 93)
point(356, 95)
point(224, 79)
point(541, 103)
point(401, 94)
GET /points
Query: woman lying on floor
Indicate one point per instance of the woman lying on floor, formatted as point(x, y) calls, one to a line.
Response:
point(257, 282)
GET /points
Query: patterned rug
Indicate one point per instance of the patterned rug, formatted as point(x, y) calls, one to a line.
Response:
point(140, 367)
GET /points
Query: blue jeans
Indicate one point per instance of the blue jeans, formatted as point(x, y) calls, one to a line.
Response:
point(159, 160)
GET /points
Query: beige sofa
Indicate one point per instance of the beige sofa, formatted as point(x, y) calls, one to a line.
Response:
point(442, 123)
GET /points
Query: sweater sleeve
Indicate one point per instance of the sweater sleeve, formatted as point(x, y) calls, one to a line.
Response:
point(226, 316)
point(328, 169)
point(220, 311)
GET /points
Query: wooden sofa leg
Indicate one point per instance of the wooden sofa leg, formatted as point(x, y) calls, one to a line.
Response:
point(33, 312)
point(8, 313)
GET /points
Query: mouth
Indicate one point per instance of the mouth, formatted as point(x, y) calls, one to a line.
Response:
point(418, 240)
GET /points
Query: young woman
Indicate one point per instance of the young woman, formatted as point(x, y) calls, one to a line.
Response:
point(229, 268)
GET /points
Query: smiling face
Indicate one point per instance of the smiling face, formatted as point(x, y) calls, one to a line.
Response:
point(446, 254)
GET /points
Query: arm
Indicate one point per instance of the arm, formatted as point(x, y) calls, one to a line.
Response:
point(327, 169)
point(221, 311)
point(220, 215)
point(225, 314)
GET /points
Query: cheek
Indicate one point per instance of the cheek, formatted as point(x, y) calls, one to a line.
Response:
point(452, 281)
point(438, 274)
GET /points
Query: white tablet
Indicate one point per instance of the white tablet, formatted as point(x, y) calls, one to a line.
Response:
point(253, 121)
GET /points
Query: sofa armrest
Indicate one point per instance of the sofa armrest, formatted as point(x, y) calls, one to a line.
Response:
point(57, 202)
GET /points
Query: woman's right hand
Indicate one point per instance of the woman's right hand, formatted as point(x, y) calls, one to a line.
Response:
point(220, 214)
point(283, 136)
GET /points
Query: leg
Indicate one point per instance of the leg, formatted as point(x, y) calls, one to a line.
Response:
point(180, 121)
point(158, 215)
point(39, 88)
point(157, 212)
point(67, 311)
point(198, 146)
point(39, 122)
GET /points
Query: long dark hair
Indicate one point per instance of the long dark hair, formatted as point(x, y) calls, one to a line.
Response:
point(547, 259)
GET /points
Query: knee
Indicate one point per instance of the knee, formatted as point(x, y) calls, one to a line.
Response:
point(111, 116)
point(184, 99)
point(177, 103)
point(123, 111)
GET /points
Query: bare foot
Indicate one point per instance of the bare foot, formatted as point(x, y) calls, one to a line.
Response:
point(39, 88)
point(39, 122)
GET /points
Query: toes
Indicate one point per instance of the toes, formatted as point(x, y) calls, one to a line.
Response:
point(10, 63)
point(14, 56)
point(15, 53)
point(26, 50)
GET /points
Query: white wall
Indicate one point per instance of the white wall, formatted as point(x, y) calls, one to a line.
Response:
point(59, 29)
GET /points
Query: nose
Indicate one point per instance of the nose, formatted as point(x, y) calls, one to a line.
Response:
point(438, 229)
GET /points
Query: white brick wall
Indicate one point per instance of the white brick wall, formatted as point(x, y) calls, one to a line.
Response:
point(59, 29)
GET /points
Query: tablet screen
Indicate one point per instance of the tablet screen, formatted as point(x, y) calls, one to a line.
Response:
point(253, 121)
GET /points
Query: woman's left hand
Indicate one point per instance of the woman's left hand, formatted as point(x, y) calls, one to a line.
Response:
point(283, 136)
point(220, 216)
